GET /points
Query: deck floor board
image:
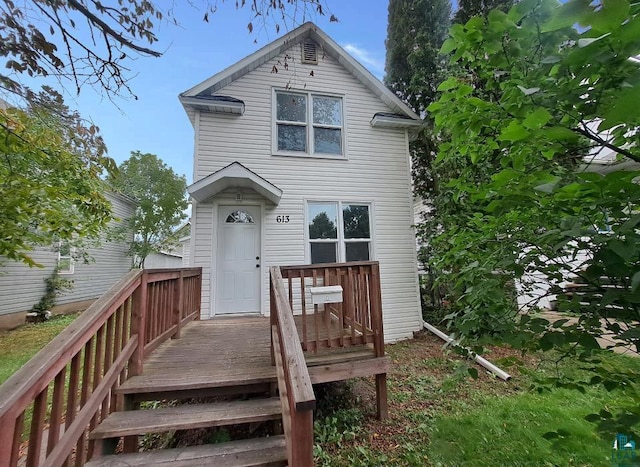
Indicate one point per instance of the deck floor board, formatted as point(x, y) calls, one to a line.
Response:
point(223, 352)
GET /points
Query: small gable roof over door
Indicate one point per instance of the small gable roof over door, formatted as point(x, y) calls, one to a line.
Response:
point(308, 31)
point(235, 175)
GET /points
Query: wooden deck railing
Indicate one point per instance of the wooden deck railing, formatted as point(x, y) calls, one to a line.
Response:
point(62, 393)
point(355, 321)
point(294, 384)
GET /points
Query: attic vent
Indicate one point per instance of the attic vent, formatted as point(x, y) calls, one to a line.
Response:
point(310, 52)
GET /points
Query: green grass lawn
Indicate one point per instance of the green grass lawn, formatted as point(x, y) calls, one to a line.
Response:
point(440, 417)
point(19, 345)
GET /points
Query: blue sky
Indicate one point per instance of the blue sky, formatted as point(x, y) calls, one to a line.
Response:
point(195, 50)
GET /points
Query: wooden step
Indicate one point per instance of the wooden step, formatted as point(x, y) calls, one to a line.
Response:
point(187, 381)
point(187, 416)
point(251, 452)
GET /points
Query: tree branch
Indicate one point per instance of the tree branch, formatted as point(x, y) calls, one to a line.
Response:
point(110, 31)
point(606, 144)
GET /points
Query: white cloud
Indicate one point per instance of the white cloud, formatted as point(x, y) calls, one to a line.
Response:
point(368, 59)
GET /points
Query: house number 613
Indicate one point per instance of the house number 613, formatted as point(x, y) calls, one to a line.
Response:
point(282, 219)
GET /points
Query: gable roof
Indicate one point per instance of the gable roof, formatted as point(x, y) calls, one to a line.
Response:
point(270, 51)
point(234, 175)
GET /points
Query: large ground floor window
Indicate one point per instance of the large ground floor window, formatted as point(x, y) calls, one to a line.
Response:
point(338, 231)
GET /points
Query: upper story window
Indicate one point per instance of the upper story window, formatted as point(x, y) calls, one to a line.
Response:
point(65, 258)
point(308, 123)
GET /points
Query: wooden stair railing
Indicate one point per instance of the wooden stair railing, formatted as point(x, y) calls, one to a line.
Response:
point(294, 384)
point(62, 393)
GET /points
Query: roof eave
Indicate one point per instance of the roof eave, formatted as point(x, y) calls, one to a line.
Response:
point(236, 108)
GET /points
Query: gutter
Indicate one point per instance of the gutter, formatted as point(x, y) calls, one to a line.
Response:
point(503, 375)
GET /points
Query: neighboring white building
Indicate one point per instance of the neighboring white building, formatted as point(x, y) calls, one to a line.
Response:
point(164, 260)
point(21, 287)
point(301, 156)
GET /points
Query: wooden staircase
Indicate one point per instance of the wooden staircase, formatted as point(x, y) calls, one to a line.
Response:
point(80, 401)
point(248, 452)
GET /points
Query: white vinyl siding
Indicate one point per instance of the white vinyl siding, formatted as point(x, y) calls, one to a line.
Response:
point(375, 172)
point(21, 286)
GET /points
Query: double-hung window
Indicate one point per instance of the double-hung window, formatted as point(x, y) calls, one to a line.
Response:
point(65, 258)
point(338, 232)
point(308, 124)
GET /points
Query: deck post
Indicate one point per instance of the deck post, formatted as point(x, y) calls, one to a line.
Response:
point(382, 411)
point(301, 446)
point(138, 325)
point(273, 321)
point(178, 292)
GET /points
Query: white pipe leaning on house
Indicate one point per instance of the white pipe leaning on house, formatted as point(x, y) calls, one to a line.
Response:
point(477, 358)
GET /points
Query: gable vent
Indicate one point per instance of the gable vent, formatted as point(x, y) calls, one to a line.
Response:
point(310, 52)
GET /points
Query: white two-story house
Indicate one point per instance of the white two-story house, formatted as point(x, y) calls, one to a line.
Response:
point(301, 156)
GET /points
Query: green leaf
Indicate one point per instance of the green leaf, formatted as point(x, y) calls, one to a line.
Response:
point(608, 17)
point(528, 91)
point(450, 83)
point(448, 46)
point(560, 133)
point(513, 132)
point(549, 185)
point(566, 15)
point(624, 108)
point(624, 249)
point(537, 119)
point(473, 372)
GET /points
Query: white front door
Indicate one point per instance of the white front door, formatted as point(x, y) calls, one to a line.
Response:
point(238, 258)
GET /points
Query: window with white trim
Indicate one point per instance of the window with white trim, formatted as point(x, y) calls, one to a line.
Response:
point(65, 258)
point(338, 232)
point(308, 123)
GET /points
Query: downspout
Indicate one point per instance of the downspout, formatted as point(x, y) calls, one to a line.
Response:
point(477, 358)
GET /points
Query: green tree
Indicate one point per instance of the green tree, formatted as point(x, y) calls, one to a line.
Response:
point(414, 68)
point(322, 227)
point(50, 187)
point(161, 196)
point(467, 9)
point(551, 95)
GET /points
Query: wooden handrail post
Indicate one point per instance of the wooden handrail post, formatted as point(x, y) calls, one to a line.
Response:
point(138, 325)
point(273, 319)
point(178, 298)
point(7, 431)
point(301, 446)
point(376, 310)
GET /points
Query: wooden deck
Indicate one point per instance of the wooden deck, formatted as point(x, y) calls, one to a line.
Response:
point(226, 352)
point(142, 340)
point(217, 353)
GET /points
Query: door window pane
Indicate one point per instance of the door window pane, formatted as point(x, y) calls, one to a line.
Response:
point(324, 253)
point(239, 217)
point(292, 138)
point(327, 140)
point(356, 251)
point(327, 110)
point(356, 221)
point(323, 220)
point(291, 107)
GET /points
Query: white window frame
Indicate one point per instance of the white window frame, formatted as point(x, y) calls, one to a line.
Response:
point(61, 257)
point(309, 125)
point(341, 241)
